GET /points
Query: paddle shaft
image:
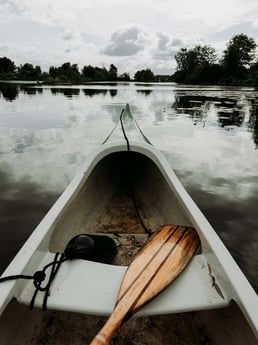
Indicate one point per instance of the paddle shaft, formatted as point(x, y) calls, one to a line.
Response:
point(157, 264)
point(111, 326)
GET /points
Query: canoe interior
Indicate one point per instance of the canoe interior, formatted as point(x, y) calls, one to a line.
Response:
point(104, 203)
point(120, 184)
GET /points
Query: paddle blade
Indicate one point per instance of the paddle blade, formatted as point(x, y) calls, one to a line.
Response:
point(173, 257)
point(158, 263)
point(163, 257)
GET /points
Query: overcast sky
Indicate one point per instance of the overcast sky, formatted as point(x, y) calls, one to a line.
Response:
point(132, 34)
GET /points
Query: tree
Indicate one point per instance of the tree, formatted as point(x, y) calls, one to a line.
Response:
point(145, 75)
point(195, 65)
point(112, 73)
point(88, 72)
point(124, 77)
point(185, 60)
point(65, 73)
point(208, 55)
point(53, 72)
point(201, 56)
point(69, 72)
point(239, 54)
point(7, 67)
point(95, 73)
point(101, 74)
point(29, 72)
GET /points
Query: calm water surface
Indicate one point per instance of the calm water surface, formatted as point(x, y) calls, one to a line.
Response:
point(208, 134)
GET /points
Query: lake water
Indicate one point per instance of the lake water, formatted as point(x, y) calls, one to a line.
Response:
point(208, 134)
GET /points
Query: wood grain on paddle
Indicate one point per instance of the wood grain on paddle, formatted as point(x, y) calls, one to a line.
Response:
point(157, 264)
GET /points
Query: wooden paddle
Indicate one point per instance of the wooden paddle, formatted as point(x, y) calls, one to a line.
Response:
point(162, 258)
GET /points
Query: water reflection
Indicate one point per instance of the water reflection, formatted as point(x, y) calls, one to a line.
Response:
point(113, 93)
point(231, 112)
point(29, 90)
point(9, 92)
point(67, 92)
point(235, 223)
point(103, 92)
point(23, 205)
point(145, 92)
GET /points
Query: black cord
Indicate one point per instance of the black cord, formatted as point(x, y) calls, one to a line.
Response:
point(55, 265)
point(123, 130)
point(38, 278)
point(53, 273)
point(148, 231)
point(133, 194)
point(18, 276)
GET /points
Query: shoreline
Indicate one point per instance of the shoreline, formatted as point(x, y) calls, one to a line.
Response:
point(43, 83)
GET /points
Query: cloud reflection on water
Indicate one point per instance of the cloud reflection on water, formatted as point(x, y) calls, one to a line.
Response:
point(23, 205)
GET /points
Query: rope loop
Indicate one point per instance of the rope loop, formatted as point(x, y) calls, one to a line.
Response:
point(39, 277)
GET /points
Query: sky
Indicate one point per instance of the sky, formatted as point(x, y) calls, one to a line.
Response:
point(131, 34)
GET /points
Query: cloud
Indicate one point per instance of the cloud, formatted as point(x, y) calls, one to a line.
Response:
point(126, 42)
point(46, 12)
point(163, 41)
point(249, 28)
point(59, 30)
point(6, 48)
point(177, 42)
point(154, 50)
point(68, 35)
point(166, 47)
point(72, 40)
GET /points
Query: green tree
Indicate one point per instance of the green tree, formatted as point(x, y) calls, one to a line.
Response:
point(239, 55)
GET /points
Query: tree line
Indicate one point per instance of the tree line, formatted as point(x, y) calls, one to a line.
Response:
point(200, 64)
point(196, 65)
point(67, 73)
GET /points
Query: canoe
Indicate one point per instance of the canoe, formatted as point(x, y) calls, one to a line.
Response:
point(124, 191)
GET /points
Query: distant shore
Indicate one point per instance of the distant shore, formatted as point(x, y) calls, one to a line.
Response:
point(67, 84)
